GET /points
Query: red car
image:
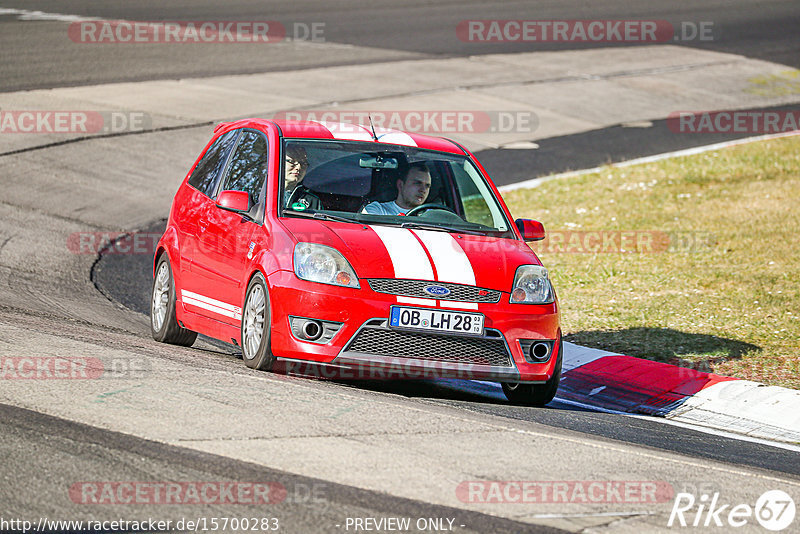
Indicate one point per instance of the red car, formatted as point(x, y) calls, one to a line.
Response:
point(353, 248)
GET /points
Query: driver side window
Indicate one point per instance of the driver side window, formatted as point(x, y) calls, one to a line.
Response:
point(204, 177)
point(247, 170)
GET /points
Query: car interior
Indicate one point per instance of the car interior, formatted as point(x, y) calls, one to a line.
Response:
point(343, 185)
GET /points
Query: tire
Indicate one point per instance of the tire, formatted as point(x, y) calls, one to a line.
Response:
point(536, 394)
point(163, 325)
point(256, 346)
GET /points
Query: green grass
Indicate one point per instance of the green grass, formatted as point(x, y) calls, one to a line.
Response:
point(715, 282)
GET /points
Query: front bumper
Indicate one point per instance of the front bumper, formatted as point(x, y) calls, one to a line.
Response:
point(366, 345)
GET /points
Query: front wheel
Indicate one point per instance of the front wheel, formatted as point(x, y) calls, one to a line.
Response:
point(536, 394)
point(256, 350)
point(163, 325)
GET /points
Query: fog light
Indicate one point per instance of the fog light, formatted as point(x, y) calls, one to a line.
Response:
point(540, 352)
point(537, 350)
point(313, 330)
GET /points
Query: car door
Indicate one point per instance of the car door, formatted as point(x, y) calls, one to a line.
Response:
point(227, 236)
point(195, 199)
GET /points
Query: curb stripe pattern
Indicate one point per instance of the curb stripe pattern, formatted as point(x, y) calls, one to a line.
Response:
point(620, 383)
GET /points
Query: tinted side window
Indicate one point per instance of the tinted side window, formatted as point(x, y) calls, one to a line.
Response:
point(205, 174)
point(248, 168)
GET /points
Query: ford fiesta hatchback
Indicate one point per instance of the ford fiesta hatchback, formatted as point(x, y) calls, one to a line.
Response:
point(353, 248)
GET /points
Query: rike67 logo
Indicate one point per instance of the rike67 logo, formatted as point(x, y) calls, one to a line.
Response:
point(774, 510)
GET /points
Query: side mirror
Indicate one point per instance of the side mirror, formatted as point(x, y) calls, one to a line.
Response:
point(530, 230)
point(235, 201)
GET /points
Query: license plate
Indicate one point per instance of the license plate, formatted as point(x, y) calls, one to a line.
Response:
point(431, 320)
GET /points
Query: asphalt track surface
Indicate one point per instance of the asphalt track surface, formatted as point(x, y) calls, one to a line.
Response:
point(34, 56)
point(309, 505)
point(46, 453)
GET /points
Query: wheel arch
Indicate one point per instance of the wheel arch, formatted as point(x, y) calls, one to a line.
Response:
point(264, 263)
point(169, 244)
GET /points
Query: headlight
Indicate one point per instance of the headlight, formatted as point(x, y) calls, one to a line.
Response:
point(531, 286)
point(323, 264)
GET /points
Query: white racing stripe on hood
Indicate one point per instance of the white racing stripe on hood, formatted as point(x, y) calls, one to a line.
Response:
point(410, 261)
point(408, 256)
point(452, 263)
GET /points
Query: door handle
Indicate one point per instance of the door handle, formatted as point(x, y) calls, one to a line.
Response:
point(203, 224)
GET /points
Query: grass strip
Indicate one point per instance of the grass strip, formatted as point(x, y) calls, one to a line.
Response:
point(694, 261)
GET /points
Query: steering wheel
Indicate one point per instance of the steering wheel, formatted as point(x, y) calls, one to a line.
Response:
point(426, 207)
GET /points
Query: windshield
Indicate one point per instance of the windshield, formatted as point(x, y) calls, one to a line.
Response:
point(386, 184)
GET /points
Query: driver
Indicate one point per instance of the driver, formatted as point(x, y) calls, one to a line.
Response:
point(296, 166)
point(412, 191)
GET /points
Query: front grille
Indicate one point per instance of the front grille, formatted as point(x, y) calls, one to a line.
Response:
point(381, 341)
point(415, 288)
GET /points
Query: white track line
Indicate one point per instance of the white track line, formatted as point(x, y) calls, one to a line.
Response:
point(27, 15)
point(536, 182)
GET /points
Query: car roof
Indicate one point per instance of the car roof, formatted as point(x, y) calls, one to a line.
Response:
point(345, 131)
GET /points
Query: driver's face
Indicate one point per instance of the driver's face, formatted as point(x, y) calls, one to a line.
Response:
point(414, 191)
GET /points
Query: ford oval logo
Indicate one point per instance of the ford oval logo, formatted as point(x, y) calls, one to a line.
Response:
point(436, 291)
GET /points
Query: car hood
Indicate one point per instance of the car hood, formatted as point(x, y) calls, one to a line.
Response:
point(377, 251)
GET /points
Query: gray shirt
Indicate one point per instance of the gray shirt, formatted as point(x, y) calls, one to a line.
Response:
point(384, 208)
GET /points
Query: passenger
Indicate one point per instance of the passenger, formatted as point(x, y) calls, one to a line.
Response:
point(296, 167)
point(296, 196)
point(412, 191)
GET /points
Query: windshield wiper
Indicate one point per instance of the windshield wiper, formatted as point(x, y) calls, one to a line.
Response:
point(423, 226)
point(321, 216)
